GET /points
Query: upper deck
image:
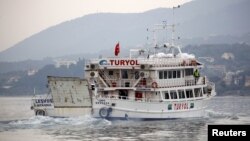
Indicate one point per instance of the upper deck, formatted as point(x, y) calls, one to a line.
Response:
point(118, 73)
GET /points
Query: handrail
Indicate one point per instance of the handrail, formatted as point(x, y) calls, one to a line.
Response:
point(161, 83)
point(129, 98)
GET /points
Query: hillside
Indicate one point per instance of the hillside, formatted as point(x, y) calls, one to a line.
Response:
point(229, 69)
point(198, 21)
point(24, 65)
point(20, 83)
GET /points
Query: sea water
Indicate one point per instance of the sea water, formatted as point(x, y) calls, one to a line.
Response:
point(18, 123)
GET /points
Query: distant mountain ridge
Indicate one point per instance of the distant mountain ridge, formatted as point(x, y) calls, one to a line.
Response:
point(98, 32)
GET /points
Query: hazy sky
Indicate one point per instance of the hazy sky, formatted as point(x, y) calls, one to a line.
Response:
point(20, 19)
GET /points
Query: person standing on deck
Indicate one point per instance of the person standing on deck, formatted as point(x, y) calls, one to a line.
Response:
point(196, 75)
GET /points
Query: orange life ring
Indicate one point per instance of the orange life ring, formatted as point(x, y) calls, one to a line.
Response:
point(154, 85)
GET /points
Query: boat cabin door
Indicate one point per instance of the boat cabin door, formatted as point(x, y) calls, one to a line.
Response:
point(123, 94)
point(138, 96)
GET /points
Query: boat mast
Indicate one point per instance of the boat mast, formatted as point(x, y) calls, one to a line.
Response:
point(173, 28)
point(165, 26)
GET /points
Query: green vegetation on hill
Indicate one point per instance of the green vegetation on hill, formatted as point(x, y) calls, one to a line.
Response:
point(240, 52)
point(26, 84)
point(230, 70)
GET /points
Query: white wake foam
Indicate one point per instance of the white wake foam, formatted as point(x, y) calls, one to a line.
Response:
point(216, 115)
point(45, 120)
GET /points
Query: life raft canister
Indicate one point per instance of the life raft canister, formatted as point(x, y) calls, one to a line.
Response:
point(154, 85)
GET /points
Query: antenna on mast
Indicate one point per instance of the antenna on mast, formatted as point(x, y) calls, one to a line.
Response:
point(164, 26)
point(173, 25)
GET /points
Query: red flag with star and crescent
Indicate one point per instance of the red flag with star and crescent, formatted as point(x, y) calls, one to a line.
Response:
point(117, 49)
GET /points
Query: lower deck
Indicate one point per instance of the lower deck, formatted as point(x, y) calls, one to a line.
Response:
point(161, 103)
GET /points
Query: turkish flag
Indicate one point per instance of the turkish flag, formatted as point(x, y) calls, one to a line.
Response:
point(117, 49)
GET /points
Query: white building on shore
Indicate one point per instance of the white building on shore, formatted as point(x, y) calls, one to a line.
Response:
point(67, 63)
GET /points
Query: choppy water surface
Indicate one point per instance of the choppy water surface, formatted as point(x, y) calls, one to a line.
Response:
point(18, 123)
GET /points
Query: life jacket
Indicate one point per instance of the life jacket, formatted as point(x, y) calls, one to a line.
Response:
point(196, 73)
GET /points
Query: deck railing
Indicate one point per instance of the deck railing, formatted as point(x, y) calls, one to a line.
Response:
point(168, 62)
point(129, 98)
point(148, 83)
point(120, 83)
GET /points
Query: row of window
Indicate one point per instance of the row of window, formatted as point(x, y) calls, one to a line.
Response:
point(172, 74)
point(125, 74)
point(182, 94)
point(189, 72)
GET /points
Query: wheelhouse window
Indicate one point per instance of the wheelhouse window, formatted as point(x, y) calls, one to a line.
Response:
point(174, 74)
point(170, 74)
point(197, 92)
point(160, 74)
point(173, 95)
point(189, 72)
point(165, 74)
point(178, 74)
point(189, 93)
point(181, 94)
point(166, 95)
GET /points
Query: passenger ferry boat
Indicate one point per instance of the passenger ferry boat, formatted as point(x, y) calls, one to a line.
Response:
point(153, 83)
point(157, 86)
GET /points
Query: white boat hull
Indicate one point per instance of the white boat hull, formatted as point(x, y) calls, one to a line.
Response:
point(149, 110)
point(122, 114)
